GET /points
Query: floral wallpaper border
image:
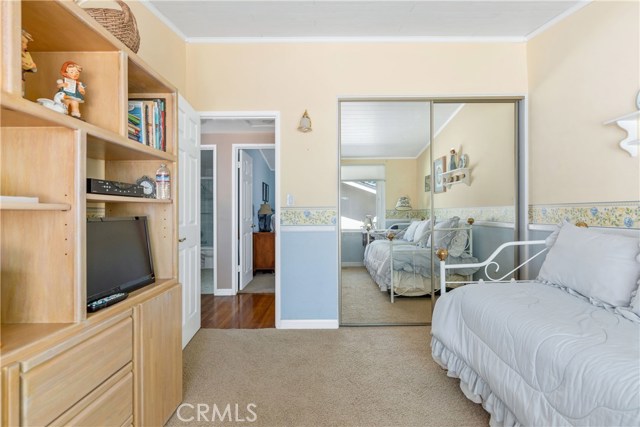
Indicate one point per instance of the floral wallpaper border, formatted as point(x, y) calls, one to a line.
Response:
point(480, 213)
point(308, 216)
point(621, 215)
point(412, 214)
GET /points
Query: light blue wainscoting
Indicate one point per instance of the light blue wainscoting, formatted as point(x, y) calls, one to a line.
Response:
point(486, 239)
point(352, 250)
point(309, 276)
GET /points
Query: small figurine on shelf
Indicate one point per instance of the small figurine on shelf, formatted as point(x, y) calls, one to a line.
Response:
point(453, 160)
point(28, 66)
point(72, 88)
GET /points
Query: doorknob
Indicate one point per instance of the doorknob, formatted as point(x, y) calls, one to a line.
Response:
point(182, 240)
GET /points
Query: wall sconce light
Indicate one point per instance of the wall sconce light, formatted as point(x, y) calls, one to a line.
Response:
point(404, 204)
point(305, 123)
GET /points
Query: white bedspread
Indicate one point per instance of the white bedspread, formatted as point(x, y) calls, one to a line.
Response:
point(537, 356)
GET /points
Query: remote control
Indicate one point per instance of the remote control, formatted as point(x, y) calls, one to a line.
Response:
point(106, 301)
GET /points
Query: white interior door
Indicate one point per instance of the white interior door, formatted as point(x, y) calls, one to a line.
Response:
point(189, 218)
point(245, 208)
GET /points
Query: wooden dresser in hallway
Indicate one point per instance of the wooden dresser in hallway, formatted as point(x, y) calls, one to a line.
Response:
point(264, 251)
point(242, 311)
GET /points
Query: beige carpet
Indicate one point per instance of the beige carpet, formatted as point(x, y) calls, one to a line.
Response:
point(364, 303)
point(262, 283)
point(382, 376)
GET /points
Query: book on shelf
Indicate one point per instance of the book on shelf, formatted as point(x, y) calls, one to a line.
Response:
point(147, 122)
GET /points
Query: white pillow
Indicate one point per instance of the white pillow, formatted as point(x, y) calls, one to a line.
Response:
point(443, 238)
point(596, 265)
point(411, 229)
point(635, 300)
point(458, 243)
point(423, 231)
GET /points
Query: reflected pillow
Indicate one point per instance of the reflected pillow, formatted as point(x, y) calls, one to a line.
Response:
point(458, 243)
point(442, 236)
point(594, 264)
point(423, 231)
point(411, 229)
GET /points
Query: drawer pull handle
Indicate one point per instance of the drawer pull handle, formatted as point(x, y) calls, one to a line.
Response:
point(182, 240)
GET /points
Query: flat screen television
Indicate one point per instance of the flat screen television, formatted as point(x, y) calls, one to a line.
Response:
point(118, 256)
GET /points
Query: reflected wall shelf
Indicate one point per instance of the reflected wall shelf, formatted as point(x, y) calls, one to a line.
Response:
point(456, 176)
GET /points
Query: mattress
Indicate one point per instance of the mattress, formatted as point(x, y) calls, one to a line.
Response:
point(411, 264)
point(534, 355)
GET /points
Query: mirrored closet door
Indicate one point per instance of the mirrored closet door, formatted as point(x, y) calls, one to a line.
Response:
point(402, 198)
point(384, 145)
point(474, 173)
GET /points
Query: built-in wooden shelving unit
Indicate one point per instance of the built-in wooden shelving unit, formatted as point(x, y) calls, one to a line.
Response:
point(49, 155)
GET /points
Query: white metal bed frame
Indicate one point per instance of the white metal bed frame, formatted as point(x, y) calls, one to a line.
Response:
point(489, 262)
point(389, 234)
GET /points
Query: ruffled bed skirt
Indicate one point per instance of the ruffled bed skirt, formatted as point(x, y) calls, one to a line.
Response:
point(473, 386)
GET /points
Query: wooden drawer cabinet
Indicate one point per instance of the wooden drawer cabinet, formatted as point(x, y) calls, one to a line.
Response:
point(56, 380)
point(264, 251)
point(110, 405)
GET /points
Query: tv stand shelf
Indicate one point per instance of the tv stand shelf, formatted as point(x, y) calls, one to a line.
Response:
point(107, 198)
point(46, 330)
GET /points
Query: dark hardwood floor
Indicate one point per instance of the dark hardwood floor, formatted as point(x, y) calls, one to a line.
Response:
point(242, 311)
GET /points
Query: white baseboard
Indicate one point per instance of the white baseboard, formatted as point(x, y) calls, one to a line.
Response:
point(353, 264)
point(308, 324)
point(224, 292)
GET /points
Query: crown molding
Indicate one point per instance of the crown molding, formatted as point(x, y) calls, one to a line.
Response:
point(557, 19)
point(278, 40)
point(163, 19)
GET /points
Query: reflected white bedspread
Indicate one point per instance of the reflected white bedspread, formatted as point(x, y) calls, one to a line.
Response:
point(408, 259)
point(536, 355)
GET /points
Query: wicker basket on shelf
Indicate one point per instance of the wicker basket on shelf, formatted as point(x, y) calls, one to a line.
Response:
point(120, 23)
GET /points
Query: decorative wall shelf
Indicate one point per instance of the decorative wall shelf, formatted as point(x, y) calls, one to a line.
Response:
point(629, 123)
point(456, 176)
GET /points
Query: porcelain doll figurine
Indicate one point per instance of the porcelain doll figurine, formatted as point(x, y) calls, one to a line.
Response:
point(27, 62)
point(73, 89)
point(28, 66)
point(452, 161)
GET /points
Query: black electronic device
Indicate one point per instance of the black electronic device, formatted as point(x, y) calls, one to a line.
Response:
point(106, 301)
point(119, 258)
point(114, 188)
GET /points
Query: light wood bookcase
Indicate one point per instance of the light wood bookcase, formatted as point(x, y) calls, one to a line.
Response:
point(45, 328)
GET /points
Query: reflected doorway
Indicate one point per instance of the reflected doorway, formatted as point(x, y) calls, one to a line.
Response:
point(207, 219)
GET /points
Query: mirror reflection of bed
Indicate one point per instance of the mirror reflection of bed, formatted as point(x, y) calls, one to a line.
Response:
point(389, 189)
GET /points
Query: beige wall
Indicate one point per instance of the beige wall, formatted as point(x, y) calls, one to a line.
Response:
point(224, 194)
point(160, 47)
point(293, 77)
point(584, 71)
point(486, 133)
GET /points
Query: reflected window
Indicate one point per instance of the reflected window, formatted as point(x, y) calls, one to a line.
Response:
point(360, 199)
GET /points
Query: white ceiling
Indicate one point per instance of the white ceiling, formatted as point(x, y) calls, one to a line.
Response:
point(216, 20)
point(389, 129)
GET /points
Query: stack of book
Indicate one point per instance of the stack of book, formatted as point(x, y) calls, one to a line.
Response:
point(146, 122)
